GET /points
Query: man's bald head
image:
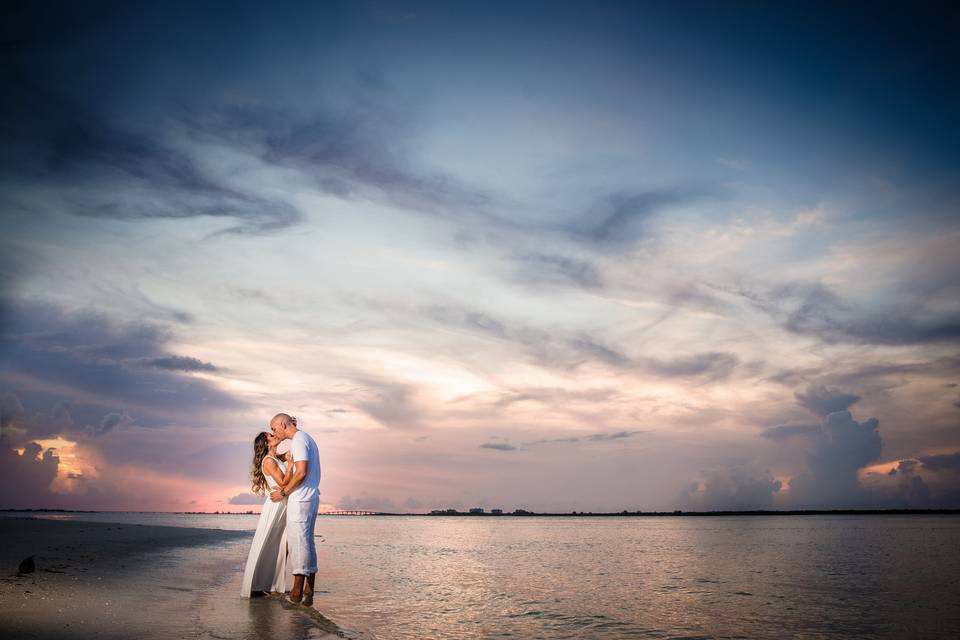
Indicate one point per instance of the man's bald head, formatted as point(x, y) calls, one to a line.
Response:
point(283, 425)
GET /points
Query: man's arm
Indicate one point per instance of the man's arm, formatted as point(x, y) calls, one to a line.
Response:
point(299, 473)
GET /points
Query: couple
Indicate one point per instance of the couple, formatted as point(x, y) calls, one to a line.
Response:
point(283, 543)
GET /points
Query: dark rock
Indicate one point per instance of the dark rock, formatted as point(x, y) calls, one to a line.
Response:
point(27, 565)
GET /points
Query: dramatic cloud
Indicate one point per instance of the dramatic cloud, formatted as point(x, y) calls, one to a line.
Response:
point(27, 476)
point(731, 489)
point(122, 174)
point(445, 274)
point(822, 401)
point(843, 448)
point(98, 361)
point(911, 490)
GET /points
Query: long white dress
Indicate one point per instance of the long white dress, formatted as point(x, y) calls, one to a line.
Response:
point(266, 568)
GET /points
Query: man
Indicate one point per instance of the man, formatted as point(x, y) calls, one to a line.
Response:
point(302, 491)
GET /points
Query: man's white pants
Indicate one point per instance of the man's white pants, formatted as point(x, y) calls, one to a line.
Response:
point(301, 520)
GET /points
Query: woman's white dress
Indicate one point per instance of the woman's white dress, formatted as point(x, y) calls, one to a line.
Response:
point(266, 568)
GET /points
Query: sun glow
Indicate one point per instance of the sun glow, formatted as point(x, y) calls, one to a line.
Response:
point(74, 470)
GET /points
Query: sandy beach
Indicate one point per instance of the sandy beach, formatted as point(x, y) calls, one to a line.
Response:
point(102, 580)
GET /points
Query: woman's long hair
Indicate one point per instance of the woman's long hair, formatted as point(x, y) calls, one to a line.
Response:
point(260, 449)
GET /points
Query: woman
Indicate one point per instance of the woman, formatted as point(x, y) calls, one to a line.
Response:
point(266, 568)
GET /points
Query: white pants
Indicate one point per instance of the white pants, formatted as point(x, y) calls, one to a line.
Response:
point(301, 520)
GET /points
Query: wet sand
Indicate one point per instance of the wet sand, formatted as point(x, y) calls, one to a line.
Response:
point(112, 581)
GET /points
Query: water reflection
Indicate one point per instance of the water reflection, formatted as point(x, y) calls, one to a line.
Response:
point(606, 578)
point(759, 577)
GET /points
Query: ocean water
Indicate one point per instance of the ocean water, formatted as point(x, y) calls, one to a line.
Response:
point(637, 577)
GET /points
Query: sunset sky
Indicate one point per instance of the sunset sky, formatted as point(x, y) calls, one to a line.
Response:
point(553, 256)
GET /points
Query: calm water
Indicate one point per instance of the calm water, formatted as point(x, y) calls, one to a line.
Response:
point(716, 577)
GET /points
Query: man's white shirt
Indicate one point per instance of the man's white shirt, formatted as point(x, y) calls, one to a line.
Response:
point(303, 447)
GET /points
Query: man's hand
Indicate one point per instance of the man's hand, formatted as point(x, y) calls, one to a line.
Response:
point(275, 495)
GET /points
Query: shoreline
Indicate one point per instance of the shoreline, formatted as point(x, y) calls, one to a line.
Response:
point(111, 580)
point(520, 513)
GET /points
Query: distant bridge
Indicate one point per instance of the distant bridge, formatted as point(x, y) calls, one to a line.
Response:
point(352, 512)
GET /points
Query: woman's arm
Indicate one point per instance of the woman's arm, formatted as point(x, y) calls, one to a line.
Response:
point(272, 469)
point(299, 473)
point(286, 476)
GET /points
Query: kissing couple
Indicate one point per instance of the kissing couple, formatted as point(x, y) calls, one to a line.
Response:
point(284, 544)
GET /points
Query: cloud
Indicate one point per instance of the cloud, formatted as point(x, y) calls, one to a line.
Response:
point(600, 352)
point(95, 363)
point(814, 309)
point(568, 440)
point(558, 351)
point(911, 490)
point(594, 437)
point(499, 446)
point(19, 426)
point(180, 363)
point(392, 404)
point(569, 350)
point(26, 476)
point(76, 154)
point(732, 488)
point(942, 462)
point(12, 412)
point(113, 420)
point(246, 498)
point(617, 435)
point(713, 365)
point(787, 431)
point(556, 269)
point(620, 219)
point(938, 367)
point(843, 448)
point(822, 401)
point(906, 467)
point(354, 149)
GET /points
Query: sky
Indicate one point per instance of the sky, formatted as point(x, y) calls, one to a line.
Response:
point(553, 256)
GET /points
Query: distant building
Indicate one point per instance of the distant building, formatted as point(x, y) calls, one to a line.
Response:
point(522, 512)
point(476, 510)
point(496, 512)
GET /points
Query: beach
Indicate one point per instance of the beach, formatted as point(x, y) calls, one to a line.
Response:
point(108, 580)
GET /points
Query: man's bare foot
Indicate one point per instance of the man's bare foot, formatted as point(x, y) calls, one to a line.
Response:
point(307, 598)
point(295, 598)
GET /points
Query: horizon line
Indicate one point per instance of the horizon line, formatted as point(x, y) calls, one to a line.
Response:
point(524, 513)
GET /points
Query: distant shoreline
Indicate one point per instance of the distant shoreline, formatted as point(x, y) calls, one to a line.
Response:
point(526, 514)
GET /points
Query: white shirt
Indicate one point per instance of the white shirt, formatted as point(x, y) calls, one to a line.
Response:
point(303, 447)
